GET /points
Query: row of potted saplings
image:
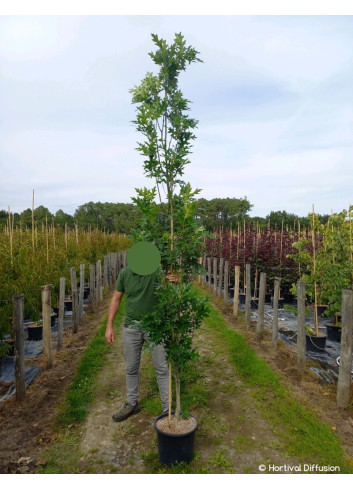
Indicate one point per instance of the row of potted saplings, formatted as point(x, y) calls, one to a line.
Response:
point(113, 263)
point(35, 328)
point(316, 340)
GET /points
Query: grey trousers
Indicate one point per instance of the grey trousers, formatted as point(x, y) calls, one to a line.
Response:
point(133, 340)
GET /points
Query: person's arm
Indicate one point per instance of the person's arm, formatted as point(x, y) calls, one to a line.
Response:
point(112, 312)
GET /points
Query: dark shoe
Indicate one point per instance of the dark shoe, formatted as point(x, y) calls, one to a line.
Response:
point(126, 411)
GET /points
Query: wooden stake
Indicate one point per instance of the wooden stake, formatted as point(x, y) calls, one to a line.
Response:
point(61, 312)
point(248, 295)
point(215, 275)
point(236, 290)
point(74, 294)
point(255, 284)
point(316, 319)
point(46, 308)
point(301, 340)
point(92, 286)
point(106, 270)
point(170, 394)
point(19, 347)
point(220, 280)
point(261, 306)
point(200, 276)
point(226, 279)
point(82, 288)
point(345, 367)
point(275, 312)
point(209, 271)
point(99, 291)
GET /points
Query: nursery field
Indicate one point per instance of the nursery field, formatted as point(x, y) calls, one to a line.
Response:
point(255, 409)
point(32, 258)
point(321, 254)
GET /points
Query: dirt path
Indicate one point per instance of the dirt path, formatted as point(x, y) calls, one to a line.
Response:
point(26, 428)
point(232, 436)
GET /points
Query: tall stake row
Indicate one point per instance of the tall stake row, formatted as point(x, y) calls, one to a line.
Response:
point(113, 263)
point(217, 277)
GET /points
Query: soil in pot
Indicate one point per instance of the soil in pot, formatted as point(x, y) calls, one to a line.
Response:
point(175, 443)
point(333, 332)
point(316, 343)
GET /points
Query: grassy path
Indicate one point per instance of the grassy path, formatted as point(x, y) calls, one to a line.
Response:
point(248, 419)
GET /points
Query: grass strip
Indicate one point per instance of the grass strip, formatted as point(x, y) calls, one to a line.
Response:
point(301, 433)
point(81, 392)
point(63, 456)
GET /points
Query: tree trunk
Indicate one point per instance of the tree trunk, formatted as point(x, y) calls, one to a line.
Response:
point(177, 416)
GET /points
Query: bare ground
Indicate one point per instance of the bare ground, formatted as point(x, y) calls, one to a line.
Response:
point(232, 437)
point(27, 427)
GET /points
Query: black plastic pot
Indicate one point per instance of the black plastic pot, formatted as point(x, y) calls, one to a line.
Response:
point(280, 302)
point(288, 298)
point(35, 333)
point(321, 308)
point(242, 298)
point(315, 344)
point(68, 305)
point(175, 448)
point(254, 303)
point(333, 332)
point(52, 319)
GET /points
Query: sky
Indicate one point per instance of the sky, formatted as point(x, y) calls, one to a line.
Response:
point(273, 98)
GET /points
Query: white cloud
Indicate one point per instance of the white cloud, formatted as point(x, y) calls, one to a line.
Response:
point(273, 97)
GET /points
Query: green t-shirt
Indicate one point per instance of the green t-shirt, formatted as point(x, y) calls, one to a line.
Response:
point(140, 293)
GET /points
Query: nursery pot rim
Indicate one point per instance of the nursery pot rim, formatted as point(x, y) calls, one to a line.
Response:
point(174, 435)
point(333, 325)
point(320, 335)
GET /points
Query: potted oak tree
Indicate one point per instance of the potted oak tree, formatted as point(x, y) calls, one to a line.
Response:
point(168, 130)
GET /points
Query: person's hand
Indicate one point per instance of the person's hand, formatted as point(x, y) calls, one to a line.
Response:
point(109, 335)
point(173, 278)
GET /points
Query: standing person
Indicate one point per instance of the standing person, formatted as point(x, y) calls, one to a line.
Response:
point(138, 282)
